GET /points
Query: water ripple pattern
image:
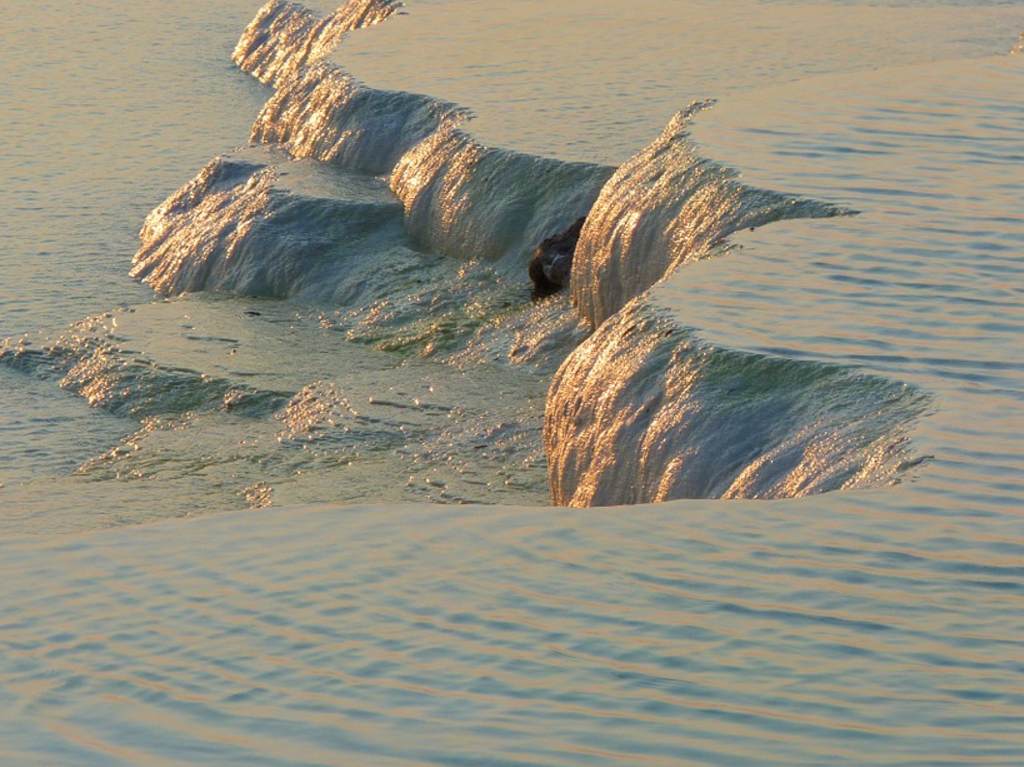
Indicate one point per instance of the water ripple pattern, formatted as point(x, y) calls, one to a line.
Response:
point(696, 634)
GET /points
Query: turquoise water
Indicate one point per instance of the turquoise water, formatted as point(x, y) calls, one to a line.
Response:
point(354, 327)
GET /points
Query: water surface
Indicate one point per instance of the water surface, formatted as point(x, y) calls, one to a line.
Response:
point(879, 627)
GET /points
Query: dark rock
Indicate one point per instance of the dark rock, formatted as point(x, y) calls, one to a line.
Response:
point(551, 265)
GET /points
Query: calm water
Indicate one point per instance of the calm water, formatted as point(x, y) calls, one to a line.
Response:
point(595, 82)
point(373, 343)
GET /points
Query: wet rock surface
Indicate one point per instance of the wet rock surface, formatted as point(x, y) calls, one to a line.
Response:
point(551, 265)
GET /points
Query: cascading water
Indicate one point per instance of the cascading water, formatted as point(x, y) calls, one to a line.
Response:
point(256, 225)
point(469, 201)
point(397, 229)
point(346, 317)
point(285, 36)
point(643, 411)
point(323, 113)
point(664, 207)
point(623, 426)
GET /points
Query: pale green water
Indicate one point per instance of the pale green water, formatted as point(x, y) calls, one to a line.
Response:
point(103, 104)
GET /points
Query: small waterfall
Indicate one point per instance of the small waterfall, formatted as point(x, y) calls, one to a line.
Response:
point(286, 36)
point(470, 201)
point(250, 226)
point(325, 114)
point(643, 411)
point(666, 206)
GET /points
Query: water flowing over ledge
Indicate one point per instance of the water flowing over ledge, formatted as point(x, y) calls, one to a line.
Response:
point(643, 412)
point(825, 317)
point(461, 198)
point(467, 200)
point(255, 225)
point(286, 36)
point(244, 226)
point(873, 627)
point(326, 114)
point(666, 206)
point(411, 236)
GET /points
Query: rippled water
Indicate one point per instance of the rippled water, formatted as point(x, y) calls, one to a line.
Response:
point(779, 634)
point(369, 338)
point(382, 285)
point(924, 285)
point(335, 421)
point(103, 107)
